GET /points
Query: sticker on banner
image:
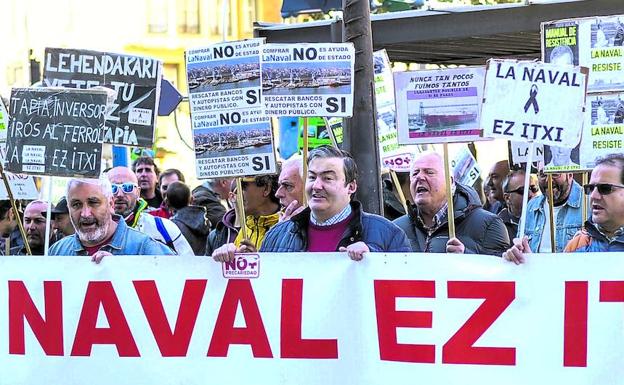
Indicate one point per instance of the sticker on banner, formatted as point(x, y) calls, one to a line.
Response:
point(141, 116)
point(243, 266)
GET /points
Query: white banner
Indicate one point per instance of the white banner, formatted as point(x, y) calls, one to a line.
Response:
point(313, 319)
point(532, 101)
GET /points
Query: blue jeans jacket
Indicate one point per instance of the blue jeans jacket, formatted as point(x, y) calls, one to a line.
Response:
point(125, 241)
point(567, 223)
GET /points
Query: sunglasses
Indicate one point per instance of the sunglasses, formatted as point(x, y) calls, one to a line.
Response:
point(603, 188)
point(520, 190)
point(127, 187)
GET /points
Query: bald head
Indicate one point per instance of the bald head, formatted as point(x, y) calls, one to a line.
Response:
point(121, 175)
point(495, 178)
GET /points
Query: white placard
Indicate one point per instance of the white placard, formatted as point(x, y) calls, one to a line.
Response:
point(308, 79)
point(466, 170)
point(439, 106)
point(533, 101)
point(604, 128)
point(520, 152)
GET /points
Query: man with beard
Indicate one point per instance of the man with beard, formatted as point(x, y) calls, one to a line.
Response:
point(128, 204)
point(35, 229)
point(567, 197)
point(477, 231)
point(99, 232)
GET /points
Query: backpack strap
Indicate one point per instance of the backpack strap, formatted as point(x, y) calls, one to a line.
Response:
point(163, 231)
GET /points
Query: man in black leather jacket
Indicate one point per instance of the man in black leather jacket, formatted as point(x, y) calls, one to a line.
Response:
point(477, 231)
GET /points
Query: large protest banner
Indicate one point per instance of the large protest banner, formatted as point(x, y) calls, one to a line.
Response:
point(465, 319)
point(439, 105)
point(56, 131)
point(394, 156)
point(232, 136)
point(532, 101)
point(135, 79)
point(308, 79)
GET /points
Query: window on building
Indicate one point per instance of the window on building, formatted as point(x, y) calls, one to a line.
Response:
point(216, 25)
point(188, 16)
point(157, 16)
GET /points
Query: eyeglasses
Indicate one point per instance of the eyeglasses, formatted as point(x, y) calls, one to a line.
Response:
point(603, 188)
point(520, 190)
point(127, 187)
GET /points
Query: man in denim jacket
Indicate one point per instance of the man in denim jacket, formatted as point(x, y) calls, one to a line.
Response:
point(99, 232)
point(568, 197)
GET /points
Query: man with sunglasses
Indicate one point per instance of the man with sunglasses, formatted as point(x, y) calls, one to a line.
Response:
point(604, 231)
point(128, 204)
point(513, 191)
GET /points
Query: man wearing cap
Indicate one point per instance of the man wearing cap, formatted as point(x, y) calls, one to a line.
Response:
point(62, 224)
point(333, 221)
point(35, 229)
point(132, 208)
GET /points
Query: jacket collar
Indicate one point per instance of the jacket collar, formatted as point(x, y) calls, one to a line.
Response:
point(119, 236)
point(574, 199)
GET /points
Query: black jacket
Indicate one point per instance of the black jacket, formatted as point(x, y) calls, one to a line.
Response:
point(480, 231)
point(511, 222)
point(194, 225)
point(203, 196)
point(225, 232)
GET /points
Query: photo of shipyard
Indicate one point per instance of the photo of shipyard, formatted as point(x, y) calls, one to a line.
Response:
point(246, 139)
point(224, 75)
point(311, 78)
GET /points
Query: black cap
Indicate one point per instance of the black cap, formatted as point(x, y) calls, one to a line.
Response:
point(61, 207)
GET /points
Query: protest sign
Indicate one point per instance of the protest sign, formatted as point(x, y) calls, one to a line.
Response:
point(56, 131)
point(592, 42)
point(135, 79)
point(231, 134)
point(4, 121)
point(519, 152)
point(468, 319)
point(562, 159)
point(393, 156)
point(308, 79)
point(439, 106)
point(533, 101)
point(465, 168)
point(604, 128)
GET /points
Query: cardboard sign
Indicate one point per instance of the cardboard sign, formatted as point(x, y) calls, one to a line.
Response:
point(135, 79)
point(56, 131)
point(232, 136)
point(466, 170)
point(308, 79)
point(393, 155)
point(439, 106)
point(520, 152)
point(592, 42)
point(603, 132)
point(532, 101)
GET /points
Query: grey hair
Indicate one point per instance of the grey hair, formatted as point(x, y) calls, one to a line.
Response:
point(294, 161)
point(102, 182)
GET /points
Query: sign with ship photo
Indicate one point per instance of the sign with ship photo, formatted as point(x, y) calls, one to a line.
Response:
point(135, 79)
point(534, 102)
point(603, 132)
point(56, 131)
point(234, 143)
point(439, 106)
point(308, 79)
point(231, 134)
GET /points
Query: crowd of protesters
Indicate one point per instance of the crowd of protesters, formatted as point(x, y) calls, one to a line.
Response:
point(140, 210)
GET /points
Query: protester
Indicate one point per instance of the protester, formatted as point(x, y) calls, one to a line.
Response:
point(604, 231)
point(392, 206)
point(62, 224)
point(210, 195)
point(568, 198)
point(99, 232)
point(9, 230)
point(477, 231)
point(513, 187)
point(191, 220)
point(290, 190)
point(35, 229)
point(227, 228)
point(164, 180)
point(126, 202)
point(333, 221)
point(261, 211)
point(494, 181)
point(146, 172)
